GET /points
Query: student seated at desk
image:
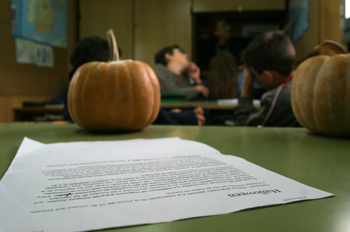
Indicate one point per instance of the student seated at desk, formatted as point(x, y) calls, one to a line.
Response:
point(269, 58)
point(177, 74)
point(222, 77)
point(97, 49)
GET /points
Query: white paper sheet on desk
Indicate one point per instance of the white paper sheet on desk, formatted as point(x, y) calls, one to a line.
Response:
point(234, 101)
point(94, 185)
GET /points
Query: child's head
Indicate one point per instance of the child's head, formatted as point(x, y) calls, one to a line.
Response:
point(90, 49)
point(172, 53)
point(160, 56)
point(270, 51)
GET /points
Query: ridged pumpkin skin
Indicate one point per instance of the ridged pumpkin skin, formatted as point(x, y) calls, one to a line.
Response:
point(321, 94)
point(114, 96)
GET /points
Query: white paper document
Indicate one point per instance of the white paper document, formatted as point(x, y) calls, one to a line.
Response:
point(82, 186)
point(234, 101)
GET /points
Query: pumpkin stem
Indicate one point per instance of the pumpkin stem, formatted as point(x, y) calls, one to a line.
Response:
point(113, 47)
point(332, 45)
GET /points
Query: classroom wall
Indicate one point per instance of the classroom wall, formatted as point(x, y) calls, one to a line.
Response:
point(150, 25)
point(141, 28)
point(97, 17)
point(324, 21)
point(161, 23)
point(23, 82)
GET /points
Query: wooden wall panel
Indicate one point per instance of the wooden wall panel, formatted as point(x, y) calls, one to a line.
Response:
point(24, 79)
point(229, 5)
point(96, 17)
point(324, 20)
point(159, 23)
point(330, 27)
point(306, 45)
point(22, 82)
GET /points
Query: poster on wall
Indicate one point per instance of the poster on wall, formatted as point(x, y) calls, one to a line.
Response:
point(44, 55)
point(299, 18)
point(25, 51)
point(29, 52)
point(43, 21)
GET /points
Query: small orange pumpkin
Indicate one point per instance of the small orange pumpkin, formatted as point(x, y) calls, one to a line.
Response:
point(115, 95)
point(321, 92)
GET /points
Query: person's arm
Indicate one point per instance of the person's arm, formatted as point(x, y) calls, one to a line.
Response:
point(203, 90)
point(248, 83)
point(185, 117)
point(200, 115)
point(168, 84)
point(245, 108)
point(194, 73)
point(247, 115)
point(199, 112)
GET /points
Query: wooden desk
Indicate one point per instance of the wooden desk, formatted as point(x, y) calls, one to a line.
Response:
point(211, 105)
point(217, 110)
point(29, 113)
point(33, 113)
point(320, 162)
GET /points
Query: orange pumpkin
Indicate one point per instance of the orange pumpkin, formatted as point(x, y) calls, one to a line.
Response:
point(114, 96)
point(321, 93)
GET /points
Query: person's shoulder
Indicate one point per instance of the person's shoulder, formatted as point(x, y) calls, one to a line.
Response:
point(159, 67)
point(162, 71)
point(286, 90)
point(281, 93)
point(270, 93)
point(268, 97)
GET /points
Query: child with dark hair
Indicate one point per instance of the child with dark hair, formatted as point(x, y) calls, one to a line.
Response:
point(159, 58)
point(89, 49)
point(269, 58)
point(222, 77)
point(177, 74)
point(270, 51)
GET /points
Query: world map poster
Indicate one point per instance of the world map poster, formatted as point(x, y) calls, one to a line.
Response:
point(43, 21)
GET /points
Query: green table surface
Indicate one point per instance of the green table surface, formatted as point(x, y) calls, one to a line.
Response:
point(318, 161)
